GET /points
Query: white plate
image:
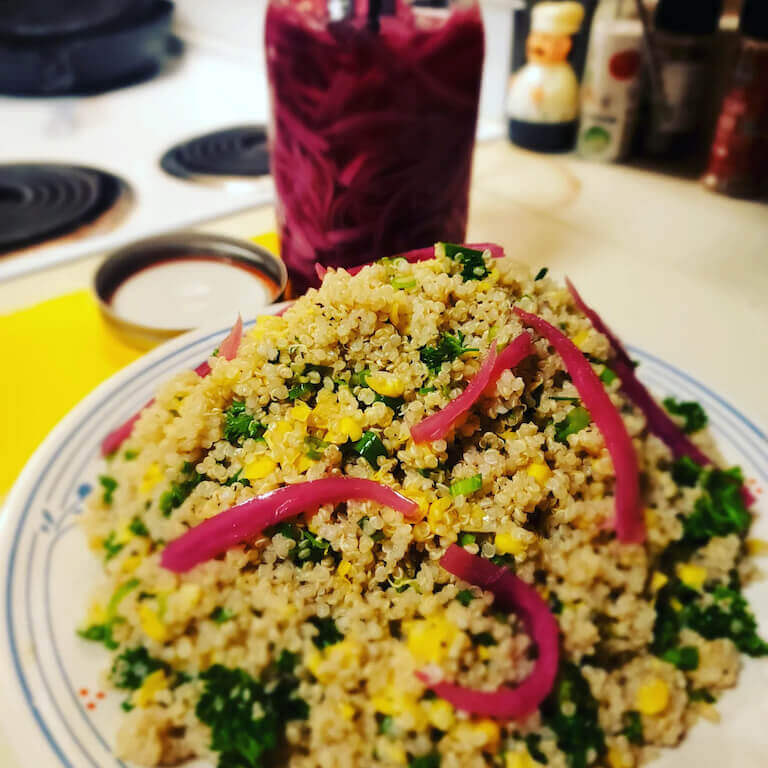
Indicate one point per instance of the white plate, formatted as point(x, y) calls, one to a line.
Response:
point(48, 573)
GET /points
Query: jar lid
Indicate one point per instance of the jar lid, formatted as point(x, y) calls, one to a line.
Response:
point(557, 18)
point(157, 288)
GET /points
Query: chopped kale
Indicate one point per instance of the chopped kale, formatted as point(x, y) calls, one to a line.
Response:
point(431, 760)
point(386, 723)
point(607, 375)
point(720, 510)
point(571, 712)
point(694, 415)
point(132, 666)
point(686, 472)
point(137, 527)
point(237, 478)
point(684, 657)
point(175, 496)
point(220, 614)
point(303, 387)
point(542, 273)
point(532, 742)
point(449, 347)
point(126, 705)
point(240, 425)
point(314, 447)
point(286, 662)
point(111, 546)
point(555, 604)
point(465, 597)
point(701, 694)
point(484, 638)
point(247, 717)
point(130, 455)
point(370, 447)
point(633, 727)
point(100, 633)
point(576, 420)
point(109, 484)
point(473, 266)
point(327, 632)
point(377, 535)
point(309, 547)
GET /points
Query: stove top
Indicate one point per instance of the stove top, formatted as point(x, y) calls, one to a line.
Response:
point(219, 156)
point(40, 201)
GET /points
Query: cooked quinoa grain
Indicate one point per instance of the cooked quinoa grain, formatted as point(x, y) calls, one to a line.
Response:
point(300, 647)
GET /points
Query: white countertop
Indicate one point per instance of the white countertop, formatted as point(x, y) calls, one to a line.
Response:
point(676, 270)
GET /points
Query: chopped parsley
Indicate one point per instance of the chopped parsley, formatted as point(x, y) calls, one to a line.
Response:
point(633, 727)
point(607, 375)
point(314, 447)
point(571, 712)
point(472, 262)
point(137, 527)
point(112, 546)
point(465, 597)
point(484, 638)
point(240, 425)
point(132, 666)
point(449, 347)
point(175, 496)
point(542, 273)
point(309, 547)
point(130, 455)
point(247, 717)
point(532, 742)
point(720, 510)
point(695, 418)
point(327, 632)
point(370, 447)
point(430, 760)
point(109, 484)
point(701, 694)
point(577, 419)
point(686, 472)
point(100, 633)
point(685, 657)
point(386, 724)
point(221, 615)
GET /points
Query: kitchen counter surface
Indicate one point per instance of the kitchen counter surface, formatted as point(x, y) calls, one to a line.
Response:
point(674, 269)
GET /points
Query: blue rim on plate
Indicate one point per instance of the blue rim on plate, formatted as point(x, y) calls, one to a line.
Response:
point(44, 503)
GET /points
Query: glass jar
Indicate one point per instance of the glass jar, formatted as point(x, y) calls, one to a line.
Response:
point(373, 125)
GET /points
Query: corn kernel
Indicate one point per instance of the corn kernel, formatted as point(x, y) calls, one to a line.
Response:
point(757, 547)
point(519, 759)
point(652, 697)
point(509, 435)
point(151, 624)
point(124, 534)
point(651, 518)
point(539, 471)
point(97, 614)
point(259, 468)
point(676, 604)
point(430, 639)
point(326, 663)
point(96, 543)
point(153, 684)
point(391, 752)
point(508, 544)
point(151, 478)
point(692, 576)
point(347, 710)
point(618, 758)
point(419, 498)
point(344, 568)
point(131, 563)
point(483, 653)
point(304, 463)
point(491, 733)
point(300, 411)
point(268, 325)
point(313, 662)
point(351, 427)
point(386, 384)
point(658, 580)
point(187, 597)
point(440, 714)
point(437, 510)
point(580, 338)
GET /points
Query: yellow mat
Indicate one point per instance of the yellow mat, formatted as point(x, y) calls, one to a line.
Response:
point(53, 355)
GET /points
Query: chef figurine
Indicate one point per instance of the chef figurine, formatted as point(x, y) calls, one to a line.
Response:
point(543, 104)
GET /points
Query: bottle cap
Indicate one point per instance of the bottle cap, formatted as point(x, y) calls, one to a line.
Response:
point(688, 17)
point(563, 18)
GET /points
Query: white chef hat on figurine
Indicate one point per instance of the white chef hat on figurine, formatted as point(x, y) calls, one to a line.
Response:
point(555, 18)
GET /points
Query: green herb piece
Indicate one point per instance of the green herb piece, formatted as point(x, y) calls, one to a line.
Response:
point(466, 486)
point(177, 494)
point(607, 376)
point(449, 347)
point(360, 378)
point(137, 527)
point(465, 539)
point(220, 614)
point(240, 425)
point(473, 266)
point(425, 390)
point(401, 583)
point(387, 725)
point(286, 662)
point(431, 760)
point(695, 418)
point(309, 547)
point(565, 399)
point(100, 633)
point(370, 447)
point(403, 283)
point(555, 604)
point(327, 632)
point(701, 694)
point(542, 273)
point(118, 596)
point(377, 535)
point(247, 717)
point(633, 727)
point(111, 546)
point(237, 478)
point(532, 742)
point(133, 666)
point(484, 638)
point(576, 420)
point(685, 657)
point(130, 455)
point(465, 597)
point(571, 712)
point(686, 472)
point(720, 510)
point(109, 484)
point(315, 447)
point(126, 706)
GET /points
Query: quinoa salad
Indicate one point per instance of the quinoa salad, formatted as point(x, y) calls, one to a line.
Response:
point(428, 517)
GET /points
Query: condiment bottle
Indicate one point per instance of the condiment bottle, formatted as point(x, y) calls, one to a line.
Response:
point(543, 101)
point(684, 38)
point(610, 89)
point(738, 163)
